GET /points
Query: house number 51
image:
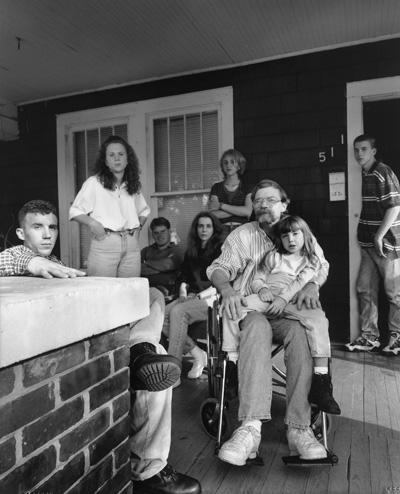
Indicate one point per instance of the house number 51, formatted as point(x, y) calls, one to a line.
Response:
point(323, 155)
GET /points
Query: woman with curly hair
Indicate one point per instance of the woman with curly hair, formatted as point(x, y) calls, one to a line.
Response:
point(204, 245)
point(111, 204)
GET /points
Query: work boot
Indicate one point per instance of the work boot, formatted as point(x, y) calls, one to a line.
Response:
point(168, 481)
point(302, 442)
point(321, 394)
point(152, 371)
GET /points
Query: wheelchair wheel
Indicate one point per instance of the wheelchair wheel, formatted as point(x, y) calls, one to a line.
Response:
point(209, 416)
point(316, 423)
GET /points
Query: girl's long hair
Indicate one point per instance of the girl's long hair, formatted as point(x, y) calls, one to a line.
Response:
point(132, 170)
point(194, 242)
point(293, 223)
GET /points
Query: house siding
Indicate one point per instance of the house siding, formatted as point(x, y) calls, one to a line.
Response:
point(286, 112)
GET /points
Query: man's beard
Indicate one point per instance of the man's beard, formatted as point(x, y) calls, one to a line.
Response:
point(264, 215)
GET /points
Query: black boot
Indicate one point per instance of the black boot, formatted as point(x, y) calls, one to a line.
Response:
point(168, 481)
point(152, 371)
point(321, 394)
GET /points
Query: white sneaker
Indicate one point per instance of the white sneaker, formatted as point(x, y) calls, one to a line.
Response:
point(303, 442)
point(200, 361)
point(243, 444)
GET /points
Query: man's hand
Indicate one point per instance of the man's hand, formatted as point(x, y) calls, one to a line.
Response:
point(308, 295)
point(39, 266)
point(232, 303)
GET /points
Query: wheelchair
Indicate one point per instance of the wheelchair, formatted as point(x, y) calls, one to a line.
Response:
point(214, 411)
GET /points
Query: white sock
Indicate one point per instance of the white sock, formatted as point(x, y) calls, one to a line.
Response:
point(320, 370)
point(253, 423)
point(233, 356)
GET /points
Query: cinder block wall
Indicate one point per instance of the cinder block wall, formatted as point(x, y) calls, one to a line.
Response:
point(64, 420)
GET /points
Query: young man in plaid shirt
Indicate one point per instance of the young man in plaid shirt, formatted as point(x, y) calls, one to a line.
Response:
point(152, 371)
point(379, 239)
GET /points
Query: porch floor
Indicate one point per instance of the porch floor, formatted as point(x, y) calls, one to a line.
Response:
point(365, 437)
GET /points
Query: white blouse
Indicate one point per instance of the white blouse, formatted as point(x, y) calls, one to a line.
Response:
point(114, 209)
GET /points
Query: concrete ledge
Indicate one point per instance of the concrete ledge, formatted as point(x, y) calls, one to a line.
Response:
point(39, 315)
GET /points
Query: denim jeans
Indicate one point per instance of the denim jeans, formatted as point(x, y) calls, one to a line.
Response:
point(150, 411)
point(179, 315)
point(116, 255)
point(313, 320)
point(255, 369)
point(373, 268)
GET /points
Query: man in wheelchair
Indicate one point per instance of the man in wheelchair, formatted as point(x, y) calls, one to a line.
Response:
point(232, 274)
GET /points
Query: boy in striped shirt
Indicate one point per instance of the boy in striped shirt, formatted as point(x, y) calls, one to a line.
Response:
point(379, 239)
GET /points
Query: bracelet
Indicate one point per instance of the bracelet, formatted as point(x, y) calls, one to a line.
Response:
point(315, 283)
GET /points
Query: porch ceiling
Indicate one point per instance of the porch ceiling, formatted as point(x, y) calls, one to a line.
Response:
point(50, 48)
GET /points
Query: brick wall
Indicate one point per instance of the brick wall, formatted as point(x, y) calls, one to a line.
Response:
point(64, 420)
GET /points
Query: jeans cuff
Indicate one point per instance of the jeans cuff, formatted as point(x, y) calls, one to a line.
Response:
point(265, 418)
point(296, 426)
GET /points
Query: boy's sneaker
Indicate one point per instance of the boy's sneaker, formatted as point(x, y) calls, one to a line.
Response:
point(393, 347)
point(364, 344)
point(321, 394)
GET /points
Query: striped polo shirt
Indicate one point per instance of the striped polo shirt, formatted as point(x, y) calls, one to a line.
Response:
point(380, 192)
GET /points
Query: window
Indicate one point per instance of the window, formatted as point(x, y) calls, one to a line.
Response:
point(178, 141)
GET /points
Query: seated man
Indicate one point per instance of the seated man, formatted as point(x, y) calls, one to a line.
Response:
point(150, 411)
point(161, 260)
point(232, 274)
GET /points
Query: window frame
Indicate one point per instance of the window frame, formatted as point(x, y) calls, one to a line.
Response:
point(136, 114)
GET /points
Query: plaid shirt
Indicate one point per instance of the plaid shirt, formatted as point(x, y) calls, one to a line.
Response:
point(380, 192)
point(14, 261)
point(242, 252)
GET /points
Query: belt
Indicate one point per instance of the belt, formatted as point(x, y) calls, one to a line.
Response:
point(130, 231)
point(231, 223)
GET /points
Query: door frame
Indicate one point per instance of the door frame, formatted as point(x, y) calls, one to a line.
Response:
point(357, 93)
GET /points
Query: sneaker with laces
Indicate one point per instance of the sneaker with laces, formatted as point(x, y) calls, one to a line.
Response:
point(393, 347)
point(242, 445)
point(303, 442)
point(364, 344)
point(321, 394)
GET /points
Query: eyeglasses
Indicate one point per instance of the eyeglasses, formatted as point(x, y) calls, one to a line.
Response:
point(271, 201)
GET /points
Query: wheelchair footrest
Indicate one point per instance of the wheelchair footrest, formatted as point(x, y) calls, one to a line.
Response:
point(331, 460)
point(257, 461)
